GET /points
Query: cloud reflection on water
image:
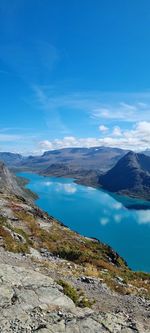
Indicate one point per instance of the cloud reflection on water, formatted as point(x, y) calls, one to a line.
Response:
point(143, 217)
point(67, 188)
point(109, 204)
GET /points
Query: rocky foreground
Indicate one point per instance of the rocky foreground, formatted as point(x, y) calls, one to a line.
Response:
point(42, 292)
point(54, 280)
point(33, 302)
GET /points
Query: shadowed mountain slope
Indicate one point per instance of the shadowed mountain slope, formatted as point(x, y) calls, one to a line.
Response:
point(131, 175)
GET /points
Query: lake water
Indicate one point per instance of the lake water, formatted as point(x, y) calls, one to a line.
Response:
point(96, 213)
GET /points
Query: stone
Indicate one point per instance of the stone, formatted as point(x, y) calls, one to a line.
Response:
point(87, 279)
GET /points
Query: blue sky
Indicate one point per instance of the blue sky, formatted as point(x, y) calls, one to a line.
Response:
point(74, 73)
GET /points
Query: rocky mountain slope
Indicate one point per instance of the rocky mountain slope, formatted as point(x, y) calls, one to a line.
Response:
point(54, 280)
point(131, 176)
point(11, 184)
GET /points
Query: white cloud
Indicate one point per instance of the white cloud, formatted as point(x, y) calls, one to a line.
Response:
point(68, 141)
point(122, 111)
point(138, 139)
point(128, 107)
point(143, 105)
point(117, 131)
point(143, 127)
point(46, 145)
point(103, 128)
point(98, 105)
point(108, 109)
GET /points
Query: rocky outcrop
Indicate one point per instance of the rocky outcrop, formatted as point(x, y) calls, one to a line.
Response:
point(33, 302)
point(9, 183)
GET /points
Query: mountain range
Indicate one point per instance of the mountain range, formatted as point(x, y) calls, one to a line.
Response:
point(113, 169)
point(101, 158)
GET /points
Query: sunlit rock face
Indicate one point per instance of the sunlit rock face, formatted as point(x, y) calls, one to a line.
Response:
point(10, 184)
point(8, 181)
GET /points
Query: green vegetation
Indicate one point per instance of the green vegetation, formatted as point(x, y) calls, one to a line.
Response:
point(9, 243)
point(77, 297)
point(69, 245)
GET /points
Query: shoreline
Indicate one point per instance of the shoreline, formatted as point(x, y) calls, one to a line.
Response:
point(145, 203)
point(27, 181)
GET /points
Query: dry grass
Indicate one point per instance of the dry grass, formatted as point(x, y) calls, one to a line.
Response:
point(91, 270)
point(10, 244)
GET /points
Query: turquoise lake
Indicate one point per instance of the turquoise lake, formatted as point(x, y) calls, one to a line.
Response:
point(98, 214)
